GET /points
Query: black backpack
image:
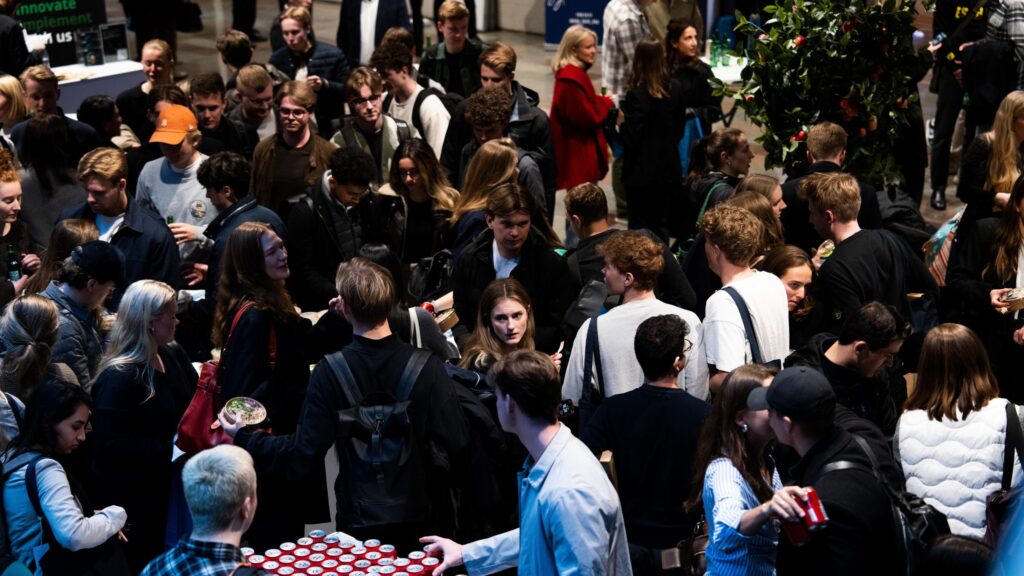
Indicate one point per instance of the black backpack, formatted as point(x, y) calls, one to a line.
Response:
point(383, 469)
point(347, 127)
point(450, 100)
point(918, 524)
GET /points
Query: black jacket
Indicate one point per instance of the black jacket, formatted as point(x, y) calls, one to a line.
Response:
point(795, 218)
point(698, 98)
point(435, 66)
point(146, 241)
point(390, 14)
point(83, 137)
point(861, 534)
point(543, 273)
point(330, 64)
point(650, 138)
point(14, 55)
point(319, 239)
point(232, 136)
point(874, 399)
point(531, 132)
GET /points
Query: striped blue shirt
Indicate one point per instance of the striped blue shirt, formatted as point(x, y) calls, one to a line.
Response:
point(726, 497)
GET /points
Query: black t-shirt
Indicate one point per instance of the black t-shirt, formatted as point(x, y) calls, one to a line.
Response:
point(419, 230)
point(863, 268)
point(653, 433)
point(455, 73)
point(376, 142)
point(289, 174)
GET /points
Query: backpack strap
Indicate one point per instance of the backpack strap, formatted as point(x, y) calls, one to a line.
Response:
point(18, 419)
point(592, 359)
point(343, 374)
point(414, 329)
point(32, 488)
point(348, 133)
point(402, 127)
point(411, 374)
point(707, 198)
point(1014, 444)
point(387, 103)
point(416, 105)
point(748, 326)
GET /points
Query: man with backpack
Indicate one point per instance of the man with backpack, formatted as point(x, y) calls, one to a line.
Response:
point(861, 536)
point(390, 410)
point(407, 100)
point(369, 128)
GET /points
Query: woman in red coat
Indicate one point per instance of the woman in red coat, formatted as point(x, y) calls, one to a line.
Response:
point(578, 112)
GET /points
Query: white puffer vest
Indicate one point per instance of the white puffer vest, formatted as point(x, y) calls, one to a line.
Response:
point(955, 465)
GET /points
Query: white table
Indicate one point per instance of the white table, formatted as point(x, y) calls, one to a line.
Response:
point(78, 81)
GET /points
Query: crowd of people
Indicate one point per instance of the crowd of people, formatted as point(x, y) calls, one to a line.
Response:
point(383, 211)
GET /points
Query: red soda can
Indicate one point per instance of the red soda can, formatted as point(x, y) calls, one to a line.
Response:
point(302, 564)
point(330, 574)
point(347, 546)
point(330, 564)
point(371, 545)
point(430, 563)
point(332, 540)
point(287, 546)
point(317, 535)
point(286, 571)
point(271, 565)
point(362, 564)
point(319, 547)
point(385, 561)
point(400, 574)
point(287, 559)
point(315, 571)
point(256, 560)
point(416, 556)
point(402, 562)
point(388, 569)
point(416, 570)
point(345, 569)
point(317, 559)
point(347, 559)
point(272, 554)
point(358, 551)
point(246, 552)
point(373, 557)
point(334, 553)
point(815, 519)
point(305, 542)
point(387, 551)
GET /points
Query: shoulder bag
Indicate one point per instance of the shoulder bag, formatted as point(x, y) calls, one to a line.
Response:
point(1001, 504)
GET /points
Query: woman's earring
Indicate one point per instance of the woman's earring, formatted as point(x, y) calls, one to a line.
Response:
point(744, 427)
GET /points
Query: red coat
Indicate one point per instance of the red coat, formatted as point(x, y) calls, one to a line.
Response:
point(577, 113)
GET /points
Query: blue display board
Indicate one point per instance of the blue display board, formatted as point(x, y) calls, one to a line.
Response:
point(560, 14)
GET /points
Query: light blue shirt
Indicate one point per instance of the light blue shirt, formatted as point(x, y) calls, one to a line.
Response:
point(570, 520)
point(727, 495)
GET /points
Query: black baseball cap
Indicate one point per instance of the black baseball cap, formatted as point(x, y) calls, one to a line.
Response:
point(801, 393)
point(101, 261)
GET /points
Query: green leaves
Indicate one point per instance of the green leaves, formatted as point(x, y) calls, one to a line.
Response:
point(853, 64)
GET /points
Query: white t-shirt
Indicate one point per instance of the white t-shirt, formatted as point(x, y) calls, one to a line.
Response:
point(616, 330)
point(108, 225)
point(433, 115)
point(367, 29)
point(503, 267)
point(724, 335)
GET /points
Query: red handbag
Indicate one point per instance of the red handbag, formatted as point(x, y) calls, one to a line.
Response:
point(194, 430)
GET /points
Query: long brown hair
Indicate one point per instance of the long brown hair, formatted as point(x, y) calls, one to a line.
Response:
point(1008, 238)
point(493, 164)
point(243, 277)
point(780, 260)
point(67, 234)
point(649, 70)
point(953, 375)
point(759, 206)
point(675, 30)
point(484, 347)
point(721, 437)
point(435, 183)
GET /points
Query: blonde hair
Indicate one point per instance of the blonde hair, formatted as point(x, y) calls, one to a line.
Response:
point(493, 164)
point(253, 77)
point(1004, 160)
point(565, 55)
point(162, 46)
point(500, 57)
point(131, 342)
point(106, 163)
point(833, 191)
point(367, 289)
point(11, 89)
point(38, 73)
point(299, 14)
point(301, 92)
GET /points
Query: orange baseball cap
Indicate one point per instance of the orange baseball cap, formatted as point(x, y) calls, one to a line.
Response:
point(174, 122)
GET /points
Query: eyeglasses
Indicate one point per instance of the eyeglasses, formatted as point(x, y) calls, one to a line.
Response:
point(414, 174)
point(296, 112)
point(687, 346)
point(360, 102)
